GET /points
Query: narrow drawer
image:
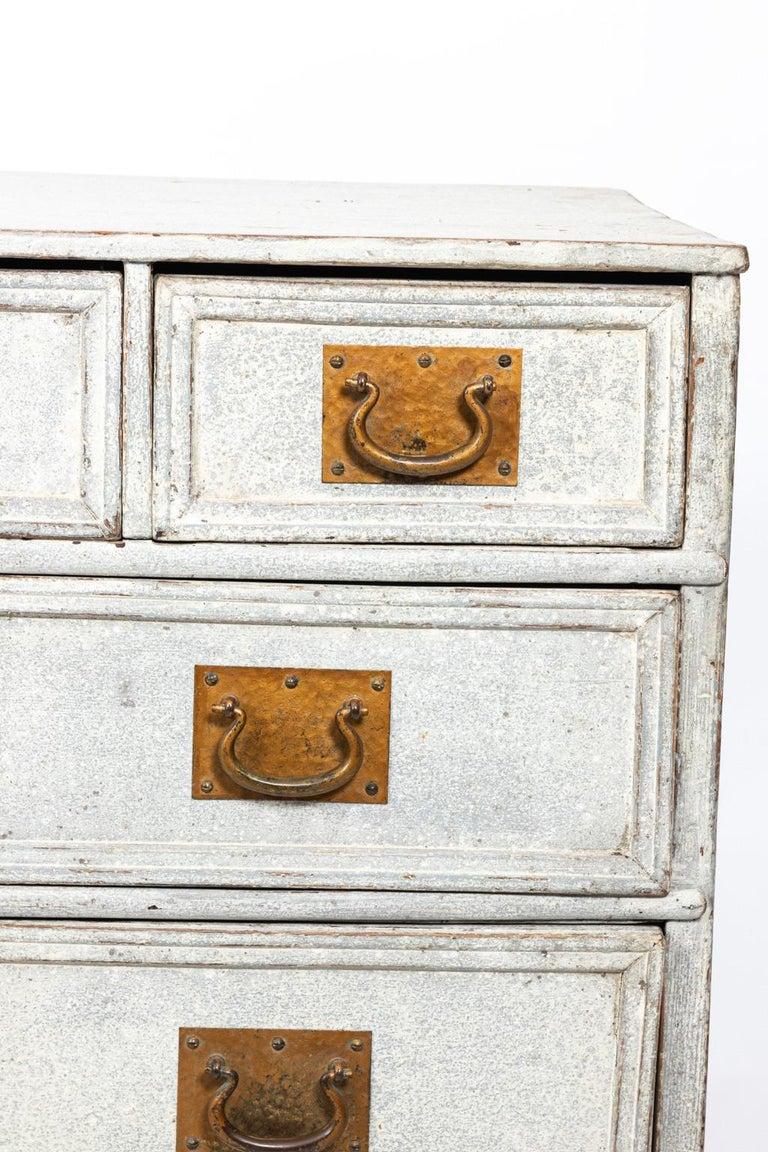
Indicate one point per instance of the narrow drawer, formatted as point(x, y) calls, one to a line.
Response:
point(515, 1039)
point(60, 352)
point(530, 742)
point(256, 381)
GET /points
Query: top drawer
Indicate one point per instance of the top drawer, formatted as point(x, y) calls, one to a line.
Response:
point(251, 419)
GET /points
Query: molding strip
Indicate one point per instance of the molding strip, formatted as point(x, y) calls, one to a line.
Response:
point(363, 563)
point(218, 904)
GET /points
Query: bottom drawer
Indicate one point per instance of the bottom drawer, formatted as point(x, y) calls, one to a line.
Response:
point(513, 1039)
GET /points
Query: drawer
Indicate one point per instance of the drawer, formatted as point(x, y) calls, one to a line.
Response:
point(515, 1039)
point(252, 438)
point(530, 735)
point(60, 359)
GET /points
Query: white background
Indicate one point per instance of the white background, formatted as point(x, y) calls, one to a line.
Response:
point(667, 99)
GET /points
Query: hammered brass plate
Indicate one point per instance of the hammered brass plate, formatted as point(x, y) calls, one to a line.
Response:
point(420, 410)
point(290, 731)
point(277, 1096)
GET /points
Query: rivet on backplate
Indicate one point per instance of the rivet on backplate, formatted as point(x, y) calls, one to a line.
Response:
point(504, 360)
point(278, 1043)
point(425, 360)
point(504, 467)
point(193, 1042)
point(211, 678)
point(336, 361)
point(378, 684)
point(372, 788)
point(291, 681)
point(356, 1045)
point(206, 786)
point(337, 468)
point(192, 1142)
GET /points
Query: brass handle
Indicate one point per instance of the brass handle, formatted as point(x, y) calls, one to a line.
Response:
point(292, 787)
point(332, 1080)
point(474, 397)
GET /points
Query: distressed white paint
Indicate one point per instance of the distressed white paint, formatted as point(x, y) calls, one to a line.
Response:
point(683, 1070)
point(137, 401)
point(60, 403)
point(497, 1038)
point(531, 737)
point(714, 356)
point(89, 1005)
point(682, 1086)
point(388, 563)
point(238, 411)
point(145, 219)
point(74, 902)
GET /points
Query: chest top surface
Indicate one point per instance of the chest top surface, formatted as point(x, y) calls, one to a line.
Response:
point(127, 217)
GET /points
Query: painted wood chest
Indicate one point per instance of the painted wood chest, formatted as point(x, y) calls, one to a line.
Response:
point(363, 571)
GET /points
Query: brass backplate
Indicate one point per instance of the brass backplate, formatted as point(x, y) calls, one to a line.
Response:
point(291, 729)
point(420, 410)
point(277, 1096)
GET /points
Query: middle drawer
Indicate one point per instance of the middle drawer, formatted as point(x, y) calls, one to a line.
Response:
point(530, 742)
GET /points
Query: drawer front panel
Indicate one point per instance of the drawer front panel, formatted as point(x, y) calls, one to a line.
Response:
point(239, 415)
point(530, 744)
point(517, 1039)
point(60, 352)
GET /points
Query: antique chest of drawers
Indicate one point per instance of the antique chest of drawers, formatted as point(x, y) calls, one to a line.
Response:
point(363, 567)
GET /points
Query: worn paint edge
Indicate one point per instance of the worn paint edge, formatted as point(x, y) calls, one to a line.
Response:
point(137, 400)
point(348, 563)
point(71, 902)
point(560, 255)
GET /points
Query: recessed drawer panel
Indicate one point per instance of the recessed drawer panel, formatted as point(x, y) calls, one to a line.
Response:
point(520, 740)
point(515, 1039)
point(361, 411)
point(60, 350)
